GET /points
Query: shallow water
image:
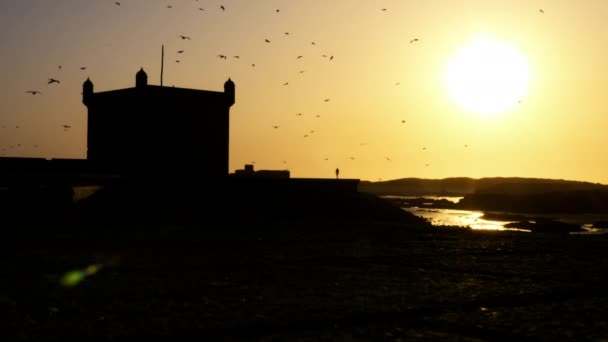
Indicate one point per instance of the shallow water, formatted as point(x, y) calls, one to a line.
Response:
point(474, 219)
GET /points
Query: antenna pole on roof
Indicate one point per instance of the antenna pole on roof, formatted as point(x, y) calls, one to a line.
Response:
point(162, 65)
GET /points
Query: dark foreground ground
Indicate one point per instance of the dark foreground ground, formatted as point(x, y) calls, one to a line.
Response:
point(183, 271)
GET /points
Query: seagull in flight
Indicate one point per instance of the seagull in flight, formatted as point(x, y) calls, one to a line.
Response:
point(52, 80)
point(33, 92)
point(185, 37)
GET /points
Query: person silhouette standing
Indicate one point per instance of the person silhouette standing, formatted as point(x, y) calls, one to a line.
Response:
point(337, 173)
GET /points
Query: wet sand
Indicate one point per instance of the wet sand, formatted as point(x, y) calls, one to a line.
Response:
point(182, 273)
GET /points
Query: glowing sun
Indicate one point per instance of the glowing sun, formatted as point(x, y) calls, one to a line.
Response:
point(487, 76)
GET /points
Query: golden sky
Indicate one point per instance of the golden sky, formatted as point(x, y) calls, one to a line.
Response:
point(558, 130)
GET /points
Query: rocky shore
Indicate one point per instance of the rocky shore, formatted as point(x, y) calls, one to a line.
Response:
point(177, 271)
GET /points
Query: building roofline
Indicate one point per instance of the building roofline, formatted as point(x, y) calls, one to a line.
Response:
point(156, 87)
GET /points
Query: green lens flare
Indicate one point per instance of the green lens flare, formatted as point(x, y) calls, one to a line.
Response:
point(72, 278)
point(92, 269)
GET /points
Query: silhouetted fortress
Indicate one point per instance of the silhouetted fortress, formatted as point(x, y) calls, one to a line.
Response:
point(156, 129)
point(157, 134)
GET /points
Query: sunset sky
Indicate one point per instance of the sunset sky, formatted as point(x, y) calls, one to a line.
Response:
point(378, 78)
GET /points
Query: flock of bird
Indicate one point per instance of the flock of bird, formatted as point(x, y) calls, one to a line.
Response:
point(53, 81)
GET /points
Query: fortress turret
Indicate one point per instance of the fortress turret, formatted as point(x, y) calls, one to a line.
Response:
point(141, 78)
point(87, 91)
point(229, 91)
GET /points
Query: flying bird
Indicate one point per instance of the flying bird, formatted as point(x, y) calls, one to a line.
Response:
point(387, 158)
point(52, 80)
point(414, 40)
point(201, 9)
point(313, 43)
point(222, 8)
point(286, 83)
point(331, 58)
point(185, 37)
point(299, 57)
point(384, 10)
point(60, 67)
point(117, 3)
point(317, 116)
point(180, 51)
point(253, 65)
point(327, 100)
point(276, 126)
point(267, 41)
point(541, 11)
point(299, 114)
point(83, 68)
point(177, 61)
point(66, 127)
point(278, 10)
point(169, 6)
point(287, 33)
point(33, 92)
point(221, 56)
point(237, 57)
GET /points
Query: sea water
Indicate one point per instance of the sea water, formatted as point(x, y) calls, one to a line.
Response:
point(474, 219)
